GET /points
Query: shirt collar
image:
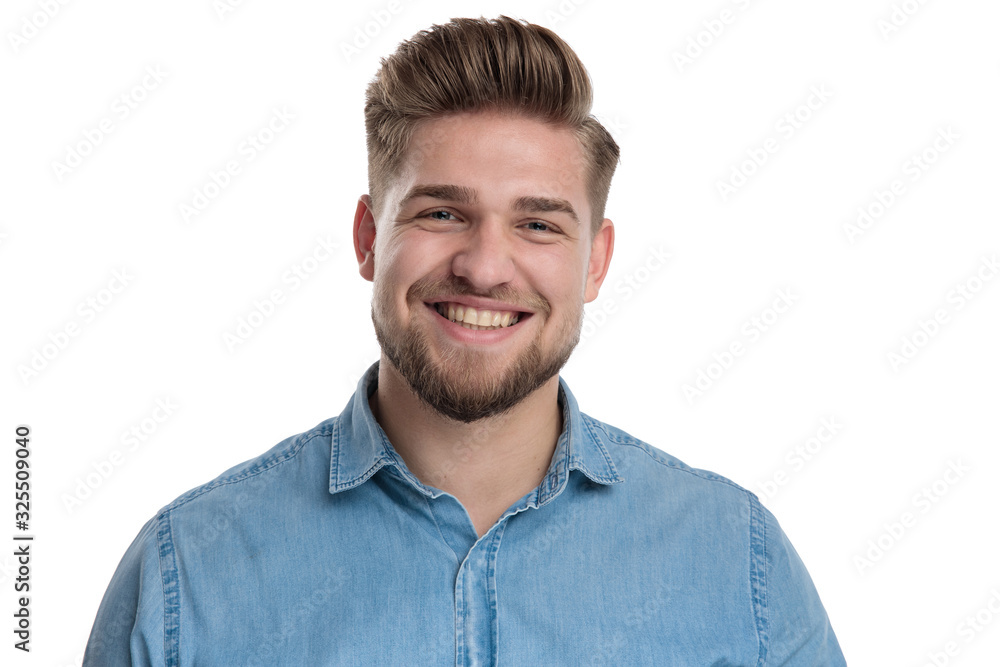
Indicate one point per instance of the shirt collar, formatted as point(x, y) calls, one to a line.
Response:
point(360, 447)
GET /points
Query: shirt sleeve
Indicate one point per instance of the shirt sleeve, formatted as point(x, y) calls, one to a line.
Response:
point(797, 630)
point(129, 626)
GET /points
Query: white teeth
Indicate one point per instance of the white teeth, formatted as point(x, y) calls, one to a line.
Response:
point(474, 319)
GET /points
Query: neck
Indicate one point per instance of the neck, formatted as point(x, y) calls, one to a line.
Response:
point(487, 464)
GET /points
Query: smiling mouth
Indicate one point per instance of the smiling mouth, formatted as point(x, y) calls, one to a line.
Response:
point(478, 318)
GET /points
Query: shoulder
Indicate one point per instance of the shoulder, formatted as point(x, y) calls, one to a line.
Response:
point(673, 499)
point(241, 501)
point(641, 462)
point(142, 604)
point(283, 468)
point(709, 512)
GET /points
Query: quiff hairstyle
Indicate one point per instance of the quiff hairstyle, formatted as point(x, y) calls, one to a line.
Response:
point(502, 65)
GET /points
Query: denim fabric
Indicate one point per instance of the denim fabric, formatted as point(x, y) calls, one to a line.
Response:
point(327, 550)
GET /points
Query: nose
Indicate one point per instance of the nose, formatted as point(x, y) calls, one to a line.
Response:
point(486, 258)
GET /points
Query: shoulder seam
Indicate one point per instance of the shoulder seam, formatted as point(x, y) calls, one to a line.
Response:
point(169, 576)
point(253, 471)
point(647, 449)
point(171, 592)
point(758, 576)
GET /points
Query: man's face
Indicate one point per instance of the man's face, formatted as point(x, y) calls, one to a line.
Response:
point(482, 260)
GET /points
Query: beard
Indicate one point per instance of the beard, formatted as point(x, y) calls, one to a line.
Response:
point(465, 385)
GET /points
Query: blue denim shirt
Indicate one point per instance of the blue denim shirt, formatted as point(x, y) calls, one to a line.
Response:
point(327, 550)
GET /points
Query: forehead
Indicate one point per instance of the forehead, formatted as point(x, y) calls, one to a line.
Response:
point(509, 155)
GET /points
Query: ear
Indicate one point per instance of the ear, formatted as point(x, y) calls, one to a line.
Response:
point(601, 249)
point(364, 237)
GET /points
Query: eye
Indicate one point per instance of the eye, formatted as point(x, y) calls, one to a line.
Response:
point(538, 226)
point(434, 215)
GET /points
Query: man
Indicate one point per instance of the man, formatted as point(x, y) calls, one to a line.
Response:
point(461, 509)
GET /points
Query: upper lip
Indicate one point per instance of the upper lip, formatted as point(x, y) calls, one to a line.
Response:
point(478, 303)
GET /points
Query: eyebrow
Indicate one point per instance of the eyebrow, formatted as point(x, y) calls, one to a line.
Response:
point(463, 195)
point(456, 193)
point(545, 205)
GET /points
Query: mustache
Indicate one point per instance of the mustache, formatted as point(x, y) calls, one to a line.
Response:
point(458, 286)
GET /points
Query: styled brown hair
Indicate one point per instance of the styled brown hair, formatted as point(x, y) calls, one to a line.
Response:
point(501, 65)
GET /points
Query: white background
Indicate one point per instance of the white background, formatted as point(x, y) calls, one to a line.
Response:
point(683, 128)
